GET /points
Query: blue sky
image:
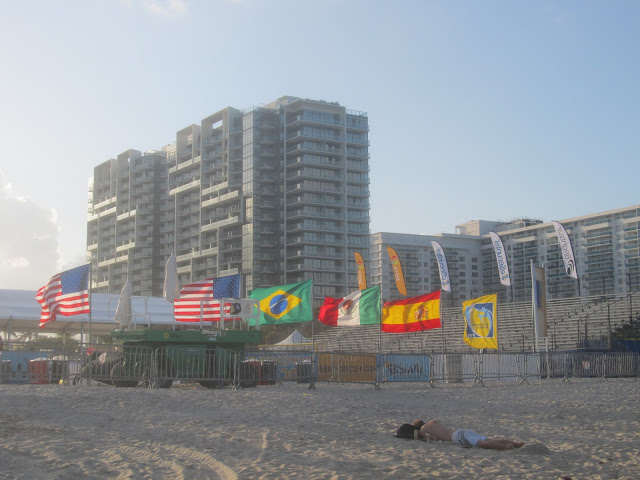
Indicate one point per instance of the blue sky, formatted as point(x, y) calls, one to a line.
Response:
point(477, 110)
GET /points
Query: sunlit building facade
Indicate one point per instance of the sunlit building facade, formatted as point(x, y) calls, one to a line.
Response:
point(130, 223)
point(279, 193)
point(606, 246)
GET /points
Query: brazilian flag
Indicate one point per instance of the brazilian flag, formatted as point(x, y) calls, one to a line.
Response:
point(284, 303)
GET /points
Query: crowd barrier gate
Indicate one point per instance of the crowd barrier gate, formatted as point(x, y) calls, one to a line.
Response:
point(210, 367)
point(273, 367)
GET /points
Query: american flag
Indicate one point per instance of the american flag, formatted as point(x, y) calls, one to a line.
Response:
point(199, 300)
point(66, 294)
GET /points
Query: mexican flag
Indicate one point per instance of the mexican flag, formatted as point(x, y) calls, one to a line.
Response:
point(358, 308)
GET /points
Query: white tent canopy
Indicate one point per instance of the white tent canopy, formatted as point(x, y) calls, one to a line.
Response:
point(295, 337)
point(20, 312)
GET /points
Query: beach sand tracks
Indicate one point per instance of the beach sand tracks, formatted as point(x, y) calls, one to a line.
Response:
point(156, 460)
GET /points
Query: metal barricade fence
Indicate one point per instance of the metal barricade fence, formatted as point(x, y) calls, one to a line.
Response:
point(347, 367)
point(556, 365)
point(271, 367)
point(19, 364)
point(122, 366)
point(587, 364)
point(127, 366)
point(210, 367)
point(497, 366)
point(454, 367)
point(131, 364)
point(621, 365)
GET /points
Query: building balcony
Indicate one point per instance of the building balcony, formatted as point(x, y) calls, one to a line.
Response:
point(195, 184)
point(215, 188)
point(221, 199)
point(185, 269)
point(230, 271)
point(125, 246)
point(105, 203)
point(126, 215)
point(603, 224)
point(102, 214)
point(221, 223)
point(596, 234)
point(184, 165)
point(106, 263)
point(209, 251)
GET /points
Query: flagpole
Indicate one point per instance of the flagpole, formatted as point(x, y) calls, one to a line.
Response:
point(381, 303)
point(314, 357)
point(497, 334)
point(380, 336)
point(90, 321)
point(90, 324)
point(534, 309)
point(442, 324)
point(313, 337)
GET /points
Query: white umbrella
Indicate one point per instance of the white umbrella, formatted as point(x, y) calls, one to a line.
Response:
point(123, 310)
point(171, 289)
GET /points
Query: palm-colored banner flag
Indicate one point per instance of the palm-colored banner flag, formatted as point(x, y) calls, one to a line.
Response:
point(284, 303)
point(362, 274)
point(397, 270)
point(481, 322)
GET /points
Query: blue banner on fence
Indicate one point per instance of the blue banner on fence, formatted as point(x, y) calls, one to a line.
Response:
point(404, 368)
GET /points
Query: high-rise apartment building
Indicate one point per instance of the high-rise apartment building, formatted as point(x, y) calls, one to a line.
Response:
point(130, 223)
point(606, 246)
point(279, 193)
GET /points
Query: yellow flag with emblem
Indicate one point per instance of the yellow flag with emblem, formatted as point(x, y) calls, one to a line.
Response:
point(284, 303)
point(481, 322)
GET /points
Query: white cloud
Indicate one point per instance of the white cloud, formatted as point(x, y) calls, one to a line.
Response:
point(167, 8)
point(17, 262)
point(28, 242)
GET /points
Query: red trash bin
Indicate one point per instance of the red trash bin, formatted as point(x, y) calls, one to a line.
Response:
point(39, 371)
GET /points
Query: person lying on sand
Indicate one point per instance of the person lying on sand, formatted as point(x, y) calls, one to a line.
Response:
point(435, 430)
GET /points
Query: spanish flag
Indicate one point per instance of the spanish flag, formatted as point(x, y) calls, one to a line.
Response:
point(412, 314)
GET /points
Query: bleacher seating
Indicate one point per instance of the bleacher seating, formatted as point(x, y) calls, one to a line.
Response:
point(572, 324)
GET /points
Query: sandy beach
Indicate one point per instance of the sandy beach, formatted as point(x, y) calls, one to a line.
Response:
point(586, 429)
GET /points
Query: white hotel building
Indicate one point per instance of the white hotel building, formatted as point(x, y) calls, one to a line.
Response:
point(606, 246)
